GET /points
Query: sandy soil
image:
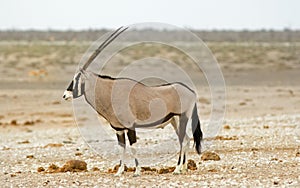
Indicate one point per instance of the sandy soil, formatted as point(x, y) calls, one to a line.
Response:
point(259, 143)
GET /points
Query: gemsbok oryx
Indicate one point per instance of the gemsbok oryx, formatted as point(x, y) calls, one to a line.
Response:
point(177, 105)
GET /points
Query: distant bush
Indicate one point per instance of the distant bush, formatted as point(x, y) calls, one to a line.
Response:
point(285, 35)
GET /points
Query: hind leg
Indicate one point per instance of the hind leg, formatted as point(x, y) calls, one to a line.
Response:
point(181, 136)
point(122, 145)
point(186, 147)
point(182, 160)
point(186, 144)
point(175, 124)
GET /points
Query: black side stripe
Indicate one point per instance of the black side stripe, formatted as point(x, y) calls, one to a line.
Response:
point(156, 123)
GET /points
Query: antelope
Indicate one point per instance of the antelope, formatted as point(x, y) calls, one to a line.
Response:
point(128, 104)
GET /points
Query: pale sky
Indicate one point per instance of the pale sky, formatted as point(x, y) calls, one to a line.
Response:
point(193, 14)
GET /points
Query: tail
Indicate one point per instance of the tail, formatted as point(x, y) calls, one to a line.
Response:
point(197, 133)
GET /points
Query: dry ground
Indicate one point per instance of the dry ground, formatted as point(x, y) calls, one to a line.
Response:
point(259, 142)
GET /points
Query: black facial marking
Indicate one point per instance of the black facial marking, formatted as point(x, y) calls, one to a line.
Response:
point(76, 93)
point(70, 87)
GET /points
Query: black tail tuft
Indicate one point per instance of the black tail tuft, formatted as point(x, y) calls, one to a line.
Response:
point(197, 133)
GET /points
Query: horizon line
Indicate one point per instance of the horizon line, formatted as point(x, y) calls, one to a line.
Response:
point(109, 29)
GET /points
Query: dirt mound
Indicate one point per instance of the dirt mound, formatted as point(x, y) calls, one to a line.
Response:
point(206, 156)
point(191, 165)
point(69, 166)
point(149, 169)
point(53, 168)
point(166, 170)
point(74, 166)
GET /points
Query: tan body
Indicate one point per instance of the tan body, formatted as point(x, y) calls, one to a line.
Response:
point(133, 104)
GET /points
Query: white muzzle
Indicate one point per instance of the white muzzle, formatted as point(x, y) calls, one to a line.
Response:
point(68, 95)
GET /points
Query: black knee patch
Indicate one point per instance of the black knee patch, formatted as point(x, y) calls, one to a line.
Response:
point(131, 134)
point(121, 139)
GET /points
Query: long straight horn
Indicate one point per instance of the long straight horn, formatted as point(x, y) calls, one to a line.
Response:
point(112, 37)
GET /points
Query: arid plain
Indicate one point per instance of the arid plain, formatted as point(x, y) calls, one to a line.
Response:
point(258, 142)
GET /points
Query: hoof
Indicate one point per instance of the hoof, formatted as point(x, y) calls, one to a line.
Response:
point(176, 173)
point(117, 174)
point(137, 172)
point(184, 171)
point(177, 170)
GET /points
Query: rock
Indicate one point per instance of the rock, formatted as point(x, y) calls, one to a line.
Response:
point(206, 156)
point(14, 122)
point(254, 149)
point(213, 170)
point(130, 169)
point(24, 142)
point(68, 142)
point(40, 169)
point(46, 182)
point(30, 157)
point(166, 170)
point(163, 171)
point(53, 168)
point(56, 102)
point(78, 154)
point(53, 145)
point(266, 126)
point(242, 103)
point(95, 169)
point(145, 168)
point(27, 123)
point(226, 138)
point(226, 127)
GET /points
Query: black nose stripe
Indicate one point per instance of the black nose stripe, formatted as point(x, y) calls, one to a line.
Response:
point(70, 87)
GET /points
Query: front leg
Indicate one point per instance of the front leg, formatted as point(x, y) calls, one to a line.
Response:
point(181, 136)
point(122, 144)
point(179, 164)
